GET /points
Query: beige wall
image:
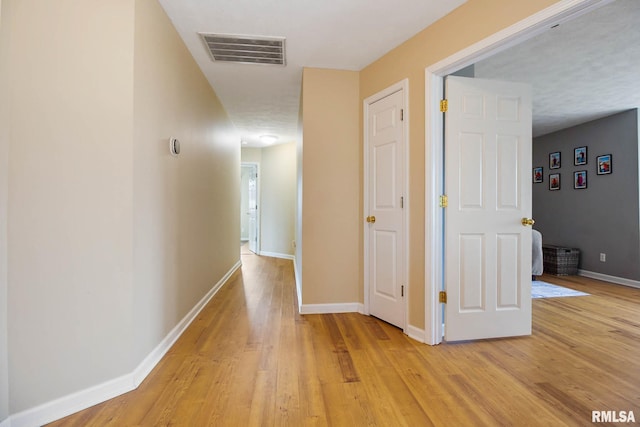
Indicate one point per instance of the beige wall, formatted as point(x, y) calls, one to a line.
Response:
point(4, 190)
point(251, 154)
point(186, 209)
point(278, 194)
point(70, 196)
point(470, 23)
point(331, 179)
point(111, 240)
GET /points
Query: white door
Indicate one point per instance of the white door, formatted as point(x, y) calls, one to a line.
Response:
point(487, 171)
point(385, 218)
point(253, 209)
point(249, 205)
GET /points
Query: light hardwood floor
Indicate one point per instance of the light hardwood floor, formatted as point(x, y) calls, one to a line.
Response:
point(250, 360)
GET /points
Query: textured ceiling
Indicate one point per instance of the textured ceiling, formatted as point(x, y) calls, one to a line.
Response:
point(338, 34)
point(582, 70)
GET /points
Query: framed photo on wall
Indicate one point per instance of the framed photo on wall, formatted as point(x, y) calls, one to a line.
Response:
point(580, 156)
point(580, 180)
point(554, 160)
point(537, 174)
point(604, 164)
point(554, 181)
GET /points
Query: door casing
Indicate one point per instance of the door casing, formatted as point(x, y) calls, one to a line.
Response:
point(404, 86)
point(538, 23)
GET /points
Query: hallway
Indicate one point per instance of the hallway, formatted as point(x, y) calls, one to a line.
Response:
point(249, 359)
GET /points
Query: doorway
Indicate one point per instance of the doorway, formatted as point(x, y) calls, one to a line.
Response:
point(434, 154)
point(249, 214)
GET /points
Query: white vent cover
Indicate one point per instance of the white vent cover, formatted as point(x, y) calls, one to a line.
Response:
point(245, 49)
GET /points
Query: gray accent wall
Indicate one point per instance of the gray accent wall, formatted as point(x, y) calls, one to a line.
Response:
point(604, 217)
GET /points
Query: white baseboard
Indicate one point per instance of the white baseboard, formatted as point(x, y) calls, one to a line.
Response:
point(351, 307)
point(612, 279)
point(72, 403)
point(83, 399)
point(149, 362)
point(415, 333)
point(276, 255)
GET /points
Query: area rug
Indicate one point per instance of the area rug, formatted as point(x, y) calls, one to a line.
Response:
point(540, 289)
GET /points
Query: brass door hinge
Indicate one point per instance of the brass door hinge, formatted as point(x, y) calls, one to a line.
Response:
point(444, 201)
point(402, 291)
point(444, 106)
point(442, 297)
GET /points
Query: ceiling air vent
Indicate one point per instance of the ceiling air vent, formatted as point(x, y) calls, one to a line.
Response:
point(245, 49)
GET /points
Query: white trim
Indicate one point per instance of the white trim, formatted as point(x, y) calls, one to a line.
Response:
point(149, 362)
point(415, 333)
point(277, 255)
point(298, 283)
point(403, 86)
point(72, 403)
point(352, 307)
point(612, 279)
point(434, 214)
point(529, 27)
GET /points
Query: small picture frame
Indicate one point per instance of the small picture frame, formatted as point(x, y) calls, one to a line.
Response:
point(580, 180)
point(580, 156)
point(604, 164)
point(554, 181)
point(538, 175)
point(554, 160)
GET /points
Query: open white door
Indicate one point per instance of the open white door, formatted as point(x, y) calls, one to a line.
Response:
point(487, 247)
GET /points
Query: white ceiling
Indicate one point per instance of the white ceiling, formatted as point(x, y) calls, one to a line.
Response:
point(337, 34)
point(582, 70)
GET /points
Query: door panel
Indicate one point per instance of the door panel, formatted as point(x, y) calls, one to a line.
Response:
point(508, 291)
point(386, 274)
point(471, 162)
point(472, 280)
point(384, 174)
point(508, 182)
point(487, 249)
point(385, 191)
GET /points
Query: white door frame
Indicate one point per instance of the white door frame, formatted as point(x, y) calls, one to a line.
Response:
point(538, 23)
point(404, 86)
point(258, 201)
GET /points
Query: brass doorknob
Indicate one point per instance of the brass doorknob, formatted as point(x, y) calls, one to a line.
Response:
point(371, 219)
point(528, 221)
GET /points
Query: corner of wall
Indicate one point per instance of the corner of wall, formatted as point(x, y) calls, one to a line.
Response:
point(4, 163)
point(638, 163)
point(297, 262)
point(332, 181)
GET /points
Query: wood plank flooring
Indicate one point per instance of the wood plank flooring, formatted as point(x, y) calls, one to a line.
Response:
point(250, 360)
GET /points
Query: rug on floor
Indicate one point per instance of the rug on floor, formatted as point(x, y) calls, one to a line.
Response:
point(540, 289)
